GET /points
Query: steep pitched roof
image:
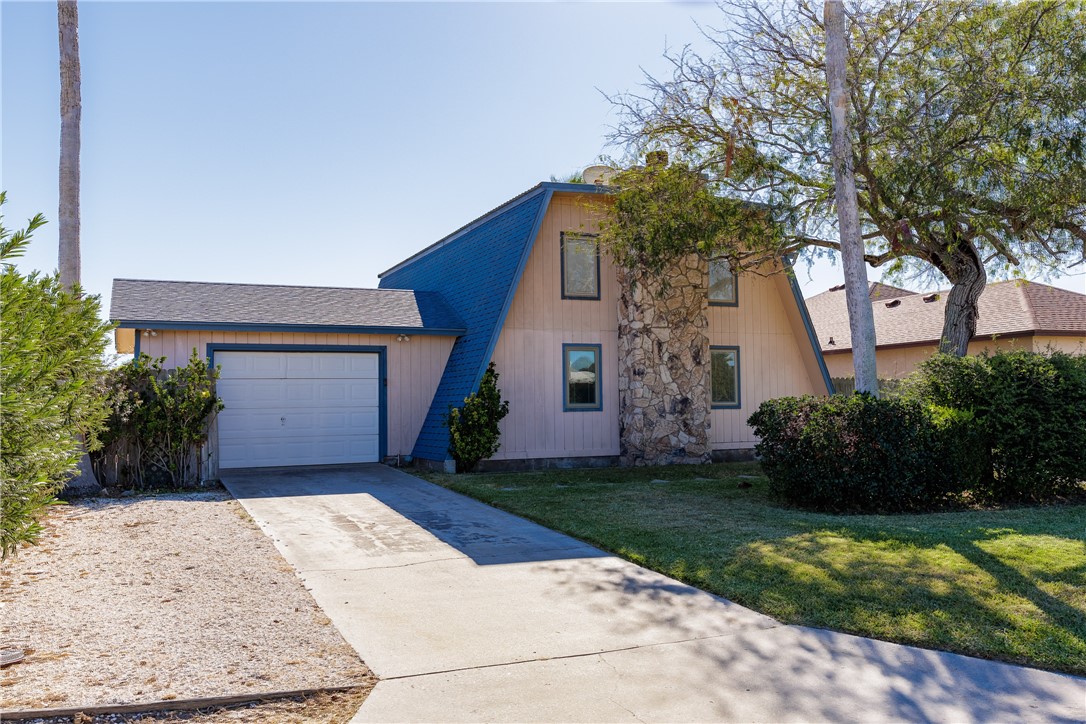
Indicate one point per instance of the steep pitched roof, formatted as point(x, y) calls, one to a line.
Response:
point(1006, 309)
point(146, 303)
point(477, 269)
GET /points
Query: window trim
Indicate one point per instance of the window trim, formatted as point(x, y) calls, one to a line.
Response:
point(562, 264)
point(735, 285)
point(738, 404)
point(596, 349)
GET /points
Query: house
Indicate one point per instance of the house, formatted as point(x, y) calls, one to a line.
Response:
point(317, 376)
point(908, 325)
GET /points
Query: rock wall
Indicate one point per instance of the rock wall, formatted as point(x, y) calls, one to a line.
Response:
point(663, 365)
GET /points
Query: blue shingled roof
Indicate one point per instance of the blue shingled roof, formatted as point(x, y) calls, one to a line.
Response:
point(476, 269)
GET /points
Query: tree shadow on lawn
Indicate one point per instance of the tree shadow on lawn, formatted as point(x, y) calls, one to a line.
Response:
point(947, 593)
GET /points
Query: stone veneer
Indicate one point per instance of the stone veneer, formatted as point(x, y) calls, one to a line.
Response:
point(663, 365)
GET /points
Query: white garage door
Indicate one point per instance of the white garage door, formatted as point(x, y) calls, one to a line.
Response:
point(298, 408)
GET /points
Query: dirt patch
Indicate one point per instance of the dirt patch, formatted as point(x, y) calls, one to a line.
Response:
point(162, 598)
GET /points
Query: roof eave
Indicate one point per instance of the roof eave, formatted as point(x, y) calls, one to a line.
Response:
point(545, 186)
point(302, 328)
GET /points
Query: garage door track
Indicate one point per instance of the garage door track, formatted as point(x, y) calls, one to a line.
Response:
point(467, 613)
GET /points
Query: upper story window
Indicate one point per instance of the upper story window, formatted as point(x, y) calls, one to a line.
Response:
point(724, 376)
point(581, 373)
point(723, 283)
point(580, 266)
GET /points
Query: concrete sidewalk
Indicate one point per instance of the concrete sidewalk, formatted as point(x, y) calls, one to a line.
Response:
point(467, 613)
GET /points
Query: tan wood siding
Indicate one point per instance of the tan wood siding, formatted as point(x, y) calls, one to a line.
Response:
point(529, 352)
point(414, 367)
point(771, 361)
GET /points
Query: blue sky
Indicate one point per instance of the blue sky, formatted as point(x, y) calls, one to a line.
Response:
point(314, 143)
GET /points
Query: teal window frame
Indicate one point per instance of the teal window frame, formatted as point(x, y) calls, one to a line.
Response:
point(562, 264)
point(734, 301)
point(725, 405)
point(568, 406)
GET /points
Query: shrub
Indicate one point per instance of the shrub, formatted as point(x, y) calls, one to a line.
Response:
point(51, 353)
point(474, 434)
point(858, 453)
point(159, 423)
point(1031, 409)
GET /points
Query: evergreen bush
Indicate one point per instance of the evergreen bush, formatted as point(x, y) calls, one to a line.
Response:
point(158, 424)
point(52, 346)
point(474, 433)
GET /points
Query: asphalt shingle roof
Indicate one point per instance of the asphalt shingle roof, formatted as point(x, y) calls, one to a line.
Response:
point(1006, 308)
point(207, 305)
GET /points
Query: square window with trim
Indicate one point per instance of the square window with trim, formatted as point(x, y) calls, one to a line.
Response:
point(581, 377)
point(723, 283)
point(724, 376)
point(580, 266)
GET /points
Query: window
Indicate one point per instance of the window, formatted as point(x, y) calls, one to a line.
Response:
point(581, 377)
point(723, 283)
point(725, 376)
point(580, 266)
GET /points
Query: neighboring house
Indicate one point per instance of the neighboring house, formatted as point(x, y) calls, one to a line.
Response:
point(315, 375)
point(908, 325)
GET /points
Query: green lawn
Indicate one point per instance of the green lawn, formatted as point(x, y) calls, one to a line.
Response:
point(1001, 584)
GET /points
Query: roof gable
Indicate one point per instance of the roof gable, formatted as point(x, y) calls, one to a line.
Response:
point(476, 270)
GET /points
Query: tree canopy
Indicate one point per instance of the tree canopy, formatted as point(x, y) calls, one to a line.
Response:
point(966, 128)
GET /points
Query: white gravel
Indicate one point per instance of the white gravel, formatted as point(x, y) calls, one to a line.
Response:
point(160, 598)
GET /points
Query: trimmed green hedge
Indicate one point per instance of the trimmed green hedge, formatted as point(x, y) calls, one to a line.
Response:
point(1031, 410)
point(1008, 427)
point(861, 454)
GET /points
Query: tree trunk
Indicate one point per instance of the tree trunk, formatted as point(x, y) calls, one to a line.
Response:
point(71, 113)
point(664, 365)
point(967, 278)
point(861, 321)
point(71, 110)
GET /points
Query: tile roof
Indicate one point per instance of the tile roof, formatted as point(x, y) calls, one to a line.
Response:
point(477, 270)
point(209, 305)
point(1006, 309)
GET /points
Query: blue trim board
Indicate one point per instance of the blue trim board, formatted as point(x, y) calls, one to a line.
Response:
point(382, 372)
point(566, 406)
point(808, 325)
point(576, 188)
point(562, 264)
point(310, 328)
point(738, 404)
point(136, 346)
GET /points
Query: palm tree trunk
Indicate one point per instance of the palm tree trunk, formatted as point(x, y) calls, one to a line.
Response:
point(860, 318)
point(71, 111)
point(71, 116)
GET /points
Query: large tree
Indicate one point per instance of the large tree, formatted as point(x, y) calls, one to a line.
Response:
point(966, 132)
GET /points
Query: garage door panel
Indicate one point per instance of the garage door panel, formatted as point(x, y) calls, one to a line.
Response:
point(246, 366)
point(298, 408)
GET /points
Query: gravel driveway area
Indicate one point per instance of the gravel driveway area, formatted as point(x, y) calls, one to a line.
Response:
point(159, 599)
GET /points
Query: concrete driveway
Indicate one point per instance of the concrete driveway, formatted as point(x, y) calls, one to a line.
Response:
point(467, 613)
